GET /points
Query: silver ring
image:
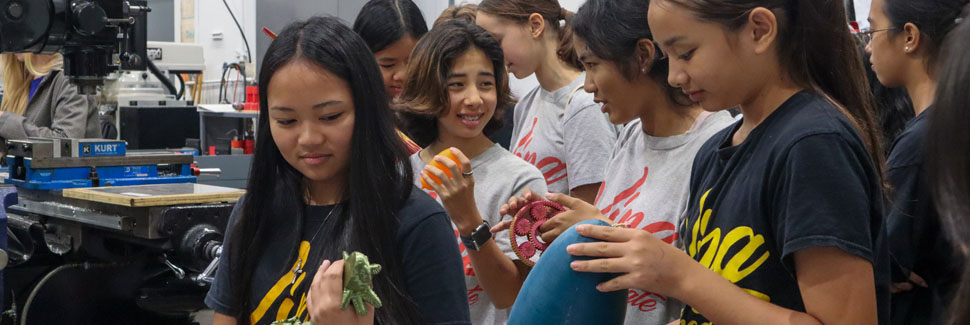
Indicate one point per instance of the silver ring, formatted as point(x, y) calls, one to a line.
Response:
point(468, 174)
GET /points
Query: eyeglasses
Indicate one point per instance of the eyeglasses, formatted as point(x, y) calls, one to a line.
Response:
point(866, 34)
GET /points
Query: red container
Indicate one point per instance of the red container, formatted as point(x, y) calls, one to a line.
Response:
point(252, 98)
point(248, 146)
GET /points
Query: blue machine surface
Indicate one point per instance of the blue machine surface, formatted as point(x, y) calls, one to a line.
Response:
point(52, 164)
point(555, 294)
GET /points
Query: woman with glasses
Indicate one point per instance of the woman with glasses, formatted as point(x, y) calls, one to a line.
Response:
point(904, 45)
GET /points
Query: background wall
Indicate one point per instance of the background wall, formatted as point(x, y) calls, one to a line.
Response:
point(212, 18)
point(161, 20)
point(276, 14)
point(216, 31)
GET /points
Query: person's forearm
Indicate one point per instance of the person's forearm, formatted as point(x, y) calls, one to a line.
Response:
point(497, 273)
point(723, 302)
point(221, 319)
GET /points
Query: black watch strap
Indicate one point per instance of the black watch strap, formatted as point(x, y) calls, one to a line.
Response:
point(478, 237)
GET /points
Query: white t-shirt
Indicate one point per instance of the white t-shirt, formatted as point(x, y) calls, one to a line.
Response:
point(647, 186)
point(498, 176)
point(570, 145)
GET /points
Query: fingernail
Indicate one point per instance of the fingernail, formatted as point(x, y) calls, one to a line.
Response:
point(571, 248)
point(574, 265)
point(581, 228)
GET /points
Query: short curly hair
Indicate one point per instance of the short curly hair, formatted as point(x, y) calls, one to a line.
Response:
point(425, 94)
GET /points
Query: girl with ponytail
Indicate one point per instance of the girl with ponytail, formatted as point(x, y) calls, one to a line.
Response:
point(557, 127)
point(784, 219)
point(905, 42)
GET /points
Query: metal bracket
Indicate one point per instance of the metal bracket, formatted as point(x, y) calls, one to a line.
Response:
point(66, 212)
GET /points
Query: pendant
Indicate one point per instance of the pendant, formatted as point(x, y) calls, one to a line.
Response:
point(297, 271)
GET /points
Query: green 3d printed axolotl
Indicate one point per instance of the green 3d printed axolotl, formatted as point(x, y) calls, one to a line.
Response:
point(357, 282)
point(358, 274)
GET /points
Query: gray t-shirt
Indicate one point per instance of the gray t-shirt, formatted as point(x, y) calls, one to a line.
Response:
point(498, 176)
point(570, 145)
point(647, 186)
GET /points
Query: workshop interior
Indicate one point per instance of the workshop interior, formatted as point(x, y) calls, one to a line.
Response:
point(126, 224)
point(140, 237)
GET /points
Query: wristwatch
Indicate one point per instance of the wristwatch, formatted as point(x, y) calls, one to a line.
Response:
point(478, 237)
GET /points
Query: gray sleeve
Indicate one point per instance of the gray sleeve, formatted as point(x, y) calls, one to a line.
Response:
point(529, 180)
point(69, 118)
point(589, 138)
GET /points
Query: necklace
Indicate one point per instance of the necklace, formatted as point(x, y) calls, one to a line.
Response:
point(300, 263)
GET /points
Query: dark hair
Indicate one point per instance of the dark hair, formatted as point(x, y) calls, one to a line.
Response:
point(893, 106)
point(376, 190)
point(611, 30)
point(467, 11)
point(425, 94)
point(935, 18)
point(383, 22)
point(550, 10)
point(948, 157)
point(817, 51)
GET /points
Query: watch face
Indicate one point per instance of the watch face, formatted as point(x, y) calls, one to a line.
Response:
point(482, 234)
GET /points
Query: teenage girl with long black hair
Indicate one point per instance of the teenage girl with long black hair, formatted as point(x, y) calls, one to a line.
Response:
point(905, 42)
point(784, 222)
point(391, 28)
point(327, 177)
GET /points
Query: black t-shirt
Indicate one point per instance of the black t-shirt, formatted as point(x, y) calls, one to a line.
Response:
point(432, 267)
point(802, 179)
point(919, 243)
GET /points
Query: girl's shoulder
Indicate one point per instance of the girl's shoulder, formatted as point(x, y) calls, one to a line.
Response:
point(529, 99)
point(808, 114)
point(499, 163)
point(579, 100)
point(418, 208)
